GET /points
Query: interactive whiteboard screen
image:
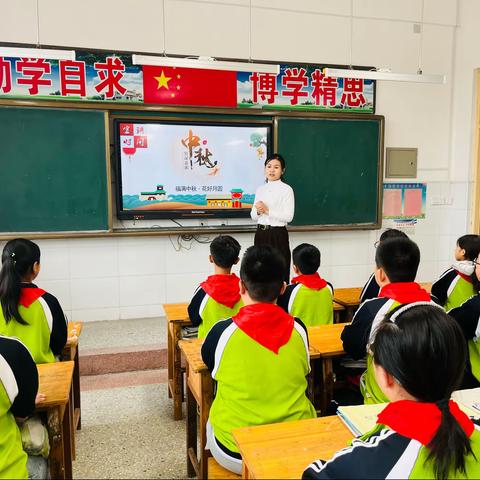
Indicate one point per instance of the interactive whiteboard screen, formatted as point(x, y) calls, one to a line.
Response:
point(173, 170)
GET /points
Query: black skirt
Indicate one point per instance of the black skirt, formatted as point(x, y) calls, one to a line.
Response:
point(276, 237)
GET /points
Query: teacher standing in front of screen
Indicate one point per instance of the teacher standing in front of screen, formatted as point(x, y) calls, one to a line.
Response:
point(273, 208)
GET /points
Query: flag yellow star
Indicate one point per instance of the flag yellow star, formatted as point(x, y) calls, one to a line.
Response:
point(162, 80)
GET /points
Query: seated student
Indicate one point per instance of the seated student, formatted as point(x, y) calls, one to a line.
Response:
point(455, 285)
point(18, 389)
point(259, 359)
point(467, 316)
point(397, 262)
point(371, 289)
point(419, 356)
point(309, 297)
point(218, 297)
point(28, 312)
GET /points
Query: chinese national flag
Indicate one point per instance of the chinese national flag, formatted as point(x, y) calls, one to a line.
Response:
point(189, 86)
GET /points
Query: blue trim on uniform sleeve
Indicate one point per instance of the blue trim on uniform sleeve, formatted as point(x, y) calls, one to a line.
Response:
point(356, 335)
point(194, 307)
point(59, 333)
point(211, 341)
point(440, 288)
point(283, 299)
point(370, 290)
point(297, 320)
point(372, 458)
point(467, 316)
point(25, 372)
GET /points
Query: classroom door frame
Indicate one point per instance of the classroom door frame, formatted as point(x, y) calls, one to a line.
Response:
point(475, 205)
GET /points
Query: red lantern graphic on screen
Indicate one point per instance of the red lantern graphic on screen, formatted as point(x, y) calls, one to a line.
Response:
point(128, 145)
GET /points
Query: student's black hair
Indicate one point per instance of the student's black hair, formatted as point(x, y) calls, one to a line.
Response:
point(224, 250)
point(306, 258)
point(392, 233)
point(471, 245)
point(399, 258)
point(425, 351)
point(18, 258)
point(262, 271)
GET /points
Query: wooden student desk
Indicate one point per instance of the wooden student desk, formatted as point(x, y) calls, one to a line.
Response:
point(349, 298)
point(55, 381)
point(284, 450)
point(325, 339)
point(200, 393)
point(70, 352)
point(177, 317)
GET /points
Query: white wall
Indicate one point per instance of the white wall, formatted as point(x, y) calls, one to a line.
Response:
point(131, 277)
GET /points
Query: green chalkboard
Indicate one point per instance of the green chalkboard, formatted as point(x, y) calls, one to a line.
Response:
point(334, 166)
point(53, 164)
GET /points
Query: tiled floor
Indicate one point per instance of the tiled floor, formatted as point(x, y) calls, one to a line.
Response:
point(123, 333)
point(128, 429)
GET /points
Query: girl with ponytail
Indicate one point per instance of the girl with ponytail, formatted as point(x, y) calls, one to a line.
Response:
point(419, 356)
point(28, 312)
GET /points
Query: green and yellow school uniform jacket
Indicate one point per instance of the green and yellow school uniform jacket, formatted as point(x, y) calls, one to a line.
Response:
point(18, 389)
point(215, 299)
point(468, 317)
point(452, 289)
point(397, 447)
point(260, 360)
point(357, 336)
point(46, 332)
point(310, 298)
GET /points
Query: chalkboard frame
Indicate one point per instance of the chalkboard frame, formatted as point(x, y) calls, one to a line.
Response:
point(85, 218)
point(113, 109)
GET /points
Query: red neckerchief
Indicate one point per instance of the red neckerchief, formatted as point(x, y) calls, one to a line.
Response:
point(224, 289)
point(30, 293)
point(405, 292)
point(468, 278)
point(313, 281)
point(266, 323)
point(420, 420)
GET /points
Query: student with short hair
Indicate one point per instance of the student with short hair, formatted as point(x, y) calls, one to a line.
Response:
point(455, 285)
point(467, 316)
point(218, 297)
point(397, 262)
point(371, 289)
point(18, 389)
point(259, 359)
point(28, 312)
point(419, 357)
point(309, 297)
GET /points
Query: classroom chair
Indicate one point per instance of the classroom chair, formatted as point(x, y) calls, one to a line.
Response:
point(217, 472)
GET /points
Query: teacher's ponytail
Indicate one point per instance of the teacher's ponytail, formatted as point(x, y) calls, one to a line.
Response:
point(425, 351)
point(18, 258)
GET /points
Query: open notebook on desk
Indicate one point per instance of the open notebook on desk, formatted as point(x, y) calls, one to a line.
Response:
point(360, 419)
point(469, 401)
